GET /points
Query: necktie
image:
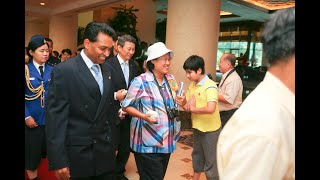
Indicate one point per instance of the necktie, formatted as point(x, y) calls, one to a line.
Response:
point(41, 71)
point(126, 72)
point(98, 76)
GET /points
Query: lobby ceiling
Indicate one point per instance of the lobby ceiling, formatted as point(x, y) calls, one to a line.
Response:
point(241, 10)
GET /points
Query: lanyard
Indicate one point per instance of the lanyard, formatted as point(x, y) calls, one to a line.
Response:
point(161, 93)
point(226, 77)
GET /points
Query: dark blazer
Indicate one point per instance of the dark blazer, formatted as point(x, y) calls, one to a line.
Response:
point(80, 121)
point(118, 77)
point(53, 61)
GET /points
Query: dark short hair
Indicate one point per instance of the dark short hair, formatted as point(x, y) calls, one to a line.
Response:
point(48, 39)
point(92, 30)
point(56, 53)
point(278, 36)
point(143, 44)
point(66, 51)
point(117, 36)
point(150, 66)
point(126, 38)
point(194, 62)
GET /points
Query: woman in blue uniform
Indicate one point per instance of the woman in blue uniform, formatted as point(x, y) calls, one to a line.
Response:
point(37, 77)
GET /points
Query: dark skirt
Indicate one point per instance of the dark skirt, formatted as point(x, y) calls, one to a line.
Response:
point(35, 146)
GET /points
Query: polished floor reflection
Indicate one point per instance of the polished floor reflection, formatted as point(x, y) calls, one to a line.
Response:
point(179, 168)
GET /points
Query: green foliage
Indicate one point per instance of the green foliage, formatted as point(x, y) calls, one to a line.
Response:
point(125, 20)
point(80, 35)
point(161, 28)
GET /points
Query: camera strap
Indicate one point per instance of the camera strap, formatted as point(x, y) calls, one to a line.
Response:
point(220, 85)
point(161, 93)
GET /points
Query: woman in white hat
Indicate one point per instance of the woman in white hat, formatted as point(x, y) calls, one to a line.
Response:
point(154, 128)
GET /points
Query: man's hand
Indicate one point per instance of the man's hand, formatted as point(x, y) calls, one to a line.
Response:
point(121, 94)
point(181, 100)
point(122, 114)
point(63, 174)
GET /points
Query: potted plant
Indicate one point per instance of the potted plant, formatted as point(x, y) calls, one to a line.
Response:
point(125, 21)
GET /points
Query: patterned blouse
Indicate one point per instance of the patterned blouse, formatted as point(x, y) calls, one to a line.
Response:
point(144, 95)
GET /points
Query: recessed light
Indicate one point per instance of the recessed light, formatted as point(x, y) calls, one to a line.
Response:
point(42, 4)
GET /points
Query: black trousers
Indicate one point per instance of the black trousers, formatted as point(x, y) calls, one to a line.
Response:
point(104, 176)
point(152, 166)
point(124, 146)
point(226, 115)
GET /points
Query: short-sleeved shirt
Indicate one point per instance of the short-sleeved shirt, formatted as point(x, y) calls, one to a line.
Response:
point(205, 91)
point(231, 90)
point(144, 95)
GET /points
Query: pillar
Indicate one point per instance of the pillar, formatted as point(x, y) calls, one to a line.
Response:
point(193, 29)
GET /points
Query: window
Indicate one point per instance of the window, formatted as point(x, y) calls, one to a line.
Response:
point(240, 47)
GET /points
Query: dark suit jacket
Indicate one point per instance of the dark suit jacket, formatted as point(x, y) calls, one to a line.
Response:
point(53, 61)
point(118, 77)
point(80, 122)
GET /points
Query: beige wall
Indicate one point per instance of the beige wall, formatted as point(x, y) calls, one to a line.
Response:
point(85, 18)
point(35, 28)
point(101, 15)
point(147, 15)
point(61, 29)
point(63, 32)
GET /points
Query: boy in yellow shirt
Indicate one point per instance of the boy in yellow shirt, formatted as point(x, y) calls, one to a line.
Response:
point(201, 100)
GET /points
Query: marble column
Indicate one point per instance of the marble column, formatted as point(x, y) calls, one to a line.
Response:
point(193, 29)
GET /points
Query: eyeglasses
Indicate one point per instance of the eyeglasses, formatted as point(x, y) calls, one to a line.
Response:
point(164, 59)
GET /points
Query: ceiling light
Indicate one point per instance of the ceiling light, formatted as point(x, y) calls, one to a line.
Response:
point(223, 13)
point(42, 3)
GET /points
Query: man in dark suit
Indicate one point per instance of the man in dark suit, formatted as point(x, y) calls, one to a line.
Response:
point(81, 111)
point(53, 61)
point(122, 62)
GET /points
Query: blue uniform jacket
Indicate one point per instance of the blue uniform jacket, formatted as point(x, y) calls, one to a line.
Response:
point(33, 107)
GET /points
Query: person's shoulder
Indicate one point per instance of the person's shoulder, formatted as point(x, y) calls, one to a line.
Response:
point(50, 67)
point(111, 59)
point(135, 64)
point(54, 59)
point(210, 83)
point(107, 66)
point(68, 64)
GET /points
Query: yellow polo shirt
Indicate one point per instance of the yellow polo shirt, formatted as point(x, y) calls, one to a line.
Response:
point(205, 91)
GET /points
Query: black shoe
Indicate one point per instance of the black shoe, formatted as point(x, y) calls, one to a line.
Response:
point(121, 177)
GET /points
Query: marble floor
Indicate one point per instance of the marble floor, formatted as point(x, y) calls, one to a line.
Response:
point(180, 164)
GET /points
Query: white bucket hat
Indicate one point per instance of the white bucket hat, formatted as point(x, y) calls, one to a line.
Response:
point(156, 50)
